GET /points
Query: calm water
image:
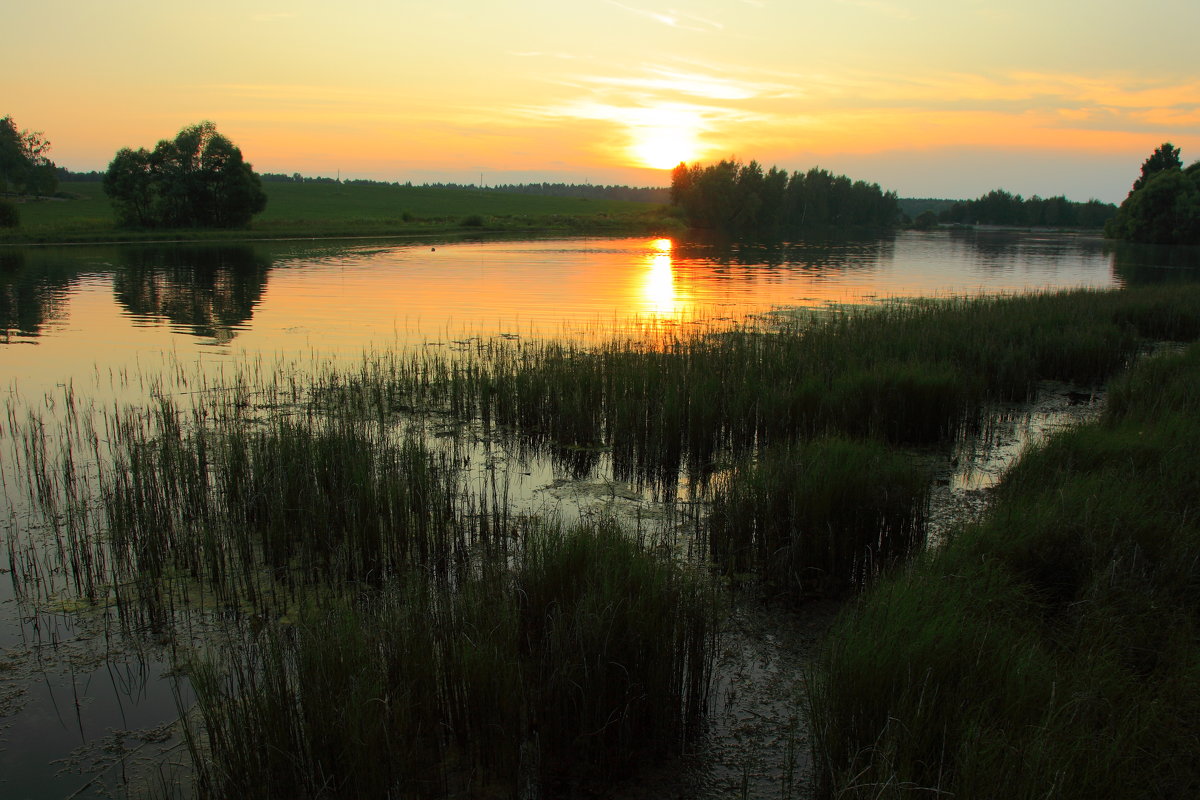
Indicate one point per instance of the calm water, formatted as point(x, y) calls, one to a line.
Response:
point(96, 319)
point(68, 312)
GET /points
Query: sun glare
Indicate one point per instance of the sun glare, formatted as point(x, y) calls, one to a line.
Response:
point(663, 148)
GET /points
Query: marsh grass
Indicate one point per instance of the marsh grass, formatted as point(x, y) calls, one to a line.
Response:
point(818, 517)
point(586, 656)
point(1050, 650)
point(308, 504)
point(916, 373)
point(376, 623)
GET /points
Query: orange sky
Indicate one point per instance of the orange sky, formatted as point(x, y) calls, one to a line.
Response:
point(928, 98)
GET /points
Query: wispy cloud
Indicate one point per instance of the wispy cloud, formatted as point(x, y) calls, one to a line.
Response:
point(673, 18)
point(884, 7)
point(671, 81)
point(541, 54)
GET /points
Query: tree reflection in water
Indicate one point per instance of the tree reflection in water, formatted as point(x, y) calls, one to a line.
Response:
point(206, 290)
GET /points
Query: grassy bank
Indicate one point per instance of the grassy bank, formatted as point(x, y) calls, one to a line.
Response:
point(308, 210)
point(1051, 650)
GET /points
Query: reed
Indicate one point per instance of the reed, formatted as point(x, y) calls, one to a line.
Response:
point(584, 657)
point(281, 507)
point(1050, 650)
point(818, 517)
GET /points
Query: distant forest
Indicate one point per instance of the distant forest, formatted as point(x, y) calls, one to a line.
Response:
point(743, 199)
point(636, 194)
point(998, 207)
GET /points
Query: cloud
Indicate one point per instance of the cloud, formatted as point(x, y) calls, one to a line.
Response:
point(673, 18)
point(540, 54)
point(883, 7)
point(673, 81)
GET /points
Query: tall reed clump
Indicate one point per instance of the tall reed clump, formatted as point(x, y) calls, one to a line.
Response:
point(1051, 650)
point(247, 508)
point(818, 516)
point(584, 657)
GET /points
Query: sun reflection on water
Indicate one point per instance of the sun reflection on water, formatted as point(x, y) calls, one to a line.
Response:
point(661, 296)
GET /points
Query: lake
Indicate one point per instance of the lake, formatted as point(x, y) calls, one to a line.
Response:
point(99, 324)
point(70, 311)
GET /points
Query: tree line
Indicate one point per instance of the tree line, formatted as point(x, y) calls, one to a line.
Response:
point(743, 199)
point(998, 207)
point(588, 191)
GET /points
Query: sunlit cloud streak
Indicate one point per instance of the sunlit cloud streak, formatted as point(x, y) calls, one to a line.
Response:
point(673, 18)
point(883, 7)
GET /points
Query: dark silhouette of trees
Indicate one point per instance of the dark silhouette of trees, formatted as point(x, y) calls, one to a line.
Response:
point(586, 191)
point(743, 199)
point(196, 180)
point(1165, 157)
point(998, 207)
point(70, 176)
point(24, 166)
point(1163, 207)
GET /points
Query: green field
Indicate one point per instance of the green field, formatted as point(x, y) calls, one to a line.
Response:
point(345, 209)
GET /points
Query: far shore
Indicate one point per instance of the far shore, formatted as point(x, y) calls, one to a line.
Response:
point(337, 211)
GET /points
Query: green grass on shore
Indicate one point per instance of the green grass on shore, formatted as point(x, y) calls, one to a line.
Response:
point(347, 209)
point(1052, 650)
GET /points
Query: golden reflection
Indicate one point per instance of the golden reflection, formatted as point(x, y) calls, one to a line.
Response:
point(660, 294)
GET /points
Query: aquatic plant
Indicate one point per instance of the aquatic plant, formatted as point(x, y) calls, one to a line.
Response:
point(588, 655)
point(819, 516)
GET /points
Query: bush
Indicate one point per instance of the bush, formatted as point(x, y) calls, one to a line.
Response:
point(9, 216)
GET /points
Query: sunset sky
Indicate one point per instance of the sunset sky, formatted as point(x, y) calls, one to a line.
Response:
point(928, 98)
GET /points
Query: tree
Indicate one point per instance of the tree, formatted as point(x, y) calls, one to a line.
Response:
point(196, 180)
point(24, 164)
point(1165, 157)
point(742, 199)
point(1164, 205)
point(1166, 210)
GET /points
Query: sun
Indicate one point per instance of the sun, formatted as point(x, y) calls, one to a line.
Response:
point(664, 137)
point(663, 148)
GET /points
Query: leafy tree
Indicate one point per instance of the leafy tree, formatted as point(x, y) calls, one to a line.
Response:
point(24, 164)
point(196, 180)
point(1165, 157)
point(1164, 205)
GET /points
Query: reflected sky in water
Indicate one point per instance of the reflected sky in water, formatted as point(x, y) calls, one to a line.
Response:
point(100, 314)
